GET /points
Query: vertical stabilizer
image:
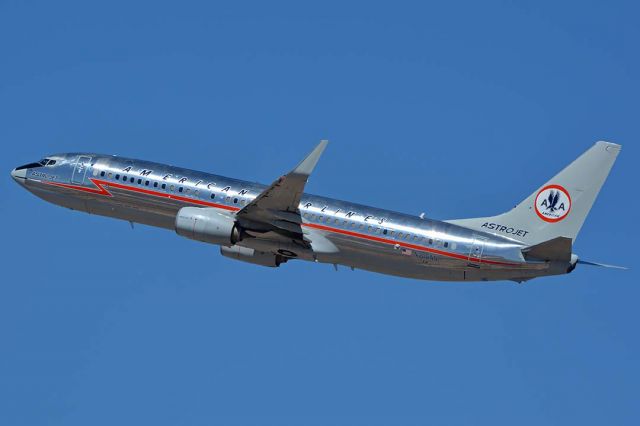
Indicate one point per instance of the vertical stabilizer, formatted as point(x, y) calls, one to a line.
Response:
point(559, 207)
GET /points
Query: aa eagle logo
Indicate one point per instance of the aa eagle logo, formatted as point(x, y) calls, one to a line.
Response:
point(553, 203)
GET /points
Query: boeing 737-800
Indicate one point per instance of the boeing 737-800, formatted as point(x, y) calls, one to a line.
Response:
point(272, 224)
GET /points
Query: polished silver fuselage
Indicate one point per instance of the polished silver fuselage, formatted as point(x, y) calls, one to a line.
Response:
point(366, 237)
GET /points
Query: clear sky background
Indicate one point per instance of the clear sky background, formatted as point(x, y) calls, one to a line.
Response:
point(458, 109)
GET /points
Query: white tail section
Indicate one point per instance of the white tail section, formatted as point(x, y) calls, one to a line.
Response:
point(559, 207)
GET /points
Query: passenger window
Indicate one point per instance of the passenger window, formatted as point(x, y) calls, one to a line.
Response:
point(446, 244)
point(415, 238)
point(164, 186)
point(227, 199)
point(171, 188)
point(384, 232)
point(319, 218)
point(235, 201)
point(146, 183)
point(117, 177)
point(430, 241)
point(242, 202)
point(180, 189)
point(361, 226)
point(124, 178)
point(155, 184)
point(188, 190)
point(102, 173)
point(139, 181)
point(131, 180)
point(110, 175)
point(399, 235)
point(213, 195)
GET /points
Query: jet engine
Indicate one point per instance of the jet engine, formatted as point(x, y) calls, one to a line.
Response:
point(207, 225)
point(252, 256)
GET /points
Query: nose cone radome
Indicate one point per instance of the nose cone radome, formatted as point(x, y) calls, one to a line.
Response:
point(19, 175)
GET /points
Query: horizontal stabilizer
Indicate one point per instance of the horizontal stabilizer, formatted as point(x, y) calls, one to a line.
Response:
point(558, 249)
point(603, 265)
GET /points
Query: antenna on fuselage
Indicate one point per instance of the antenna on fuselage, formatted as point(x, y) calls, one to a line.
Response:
point(422, 215)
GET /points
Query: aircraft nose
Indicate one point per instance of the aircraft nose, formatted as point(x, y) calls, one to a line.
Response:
point(19, 175)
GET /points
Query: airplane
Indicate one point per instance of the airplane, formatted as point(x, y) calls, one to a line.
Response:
point(270, 225)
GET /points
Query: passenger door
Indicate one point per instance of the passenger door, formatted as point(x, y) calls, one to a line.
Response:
point(79, 172)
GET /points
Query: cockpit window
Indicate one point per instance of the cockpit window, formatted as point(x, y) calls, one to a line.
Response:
point(29, 166)
point(43, 162)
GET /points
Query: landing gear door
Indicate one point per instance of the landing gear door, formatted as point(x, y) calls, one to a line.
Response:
point(79, 172)
point(477, 248)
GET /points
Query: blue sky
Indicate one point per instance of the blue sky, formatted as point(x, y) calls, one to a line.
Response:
point(456, 109)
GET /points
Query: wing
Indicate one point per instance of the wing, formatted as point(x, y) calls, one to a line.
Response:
point(276, 208)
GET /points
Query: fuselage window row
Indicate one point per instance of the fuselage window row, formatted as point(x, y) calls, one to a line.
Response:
point(369, 229)
point(163, 186)
point(319, 218)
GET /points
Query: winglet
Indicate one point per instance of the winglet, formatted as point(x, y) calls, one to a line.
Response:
point(307, 165)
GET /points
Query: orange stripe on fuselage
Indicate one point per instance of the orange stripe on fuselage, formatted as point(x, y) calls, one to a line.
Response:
point(100, 190)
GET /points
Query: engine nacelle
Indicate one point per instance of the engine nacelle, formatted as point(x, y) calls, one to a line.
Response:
point(207, 225)
point(253, 256)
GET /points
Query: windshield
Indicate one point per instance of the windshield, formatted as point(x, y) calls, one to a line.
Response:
point(43, 162)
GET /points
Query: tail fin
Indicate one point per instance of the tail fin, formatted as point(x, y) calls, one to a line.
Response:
point(559, 207)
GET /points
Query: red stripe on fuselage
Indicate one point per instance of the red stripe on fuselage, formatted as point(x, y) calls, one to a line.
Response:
point(400, 243)
point(100, 190)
